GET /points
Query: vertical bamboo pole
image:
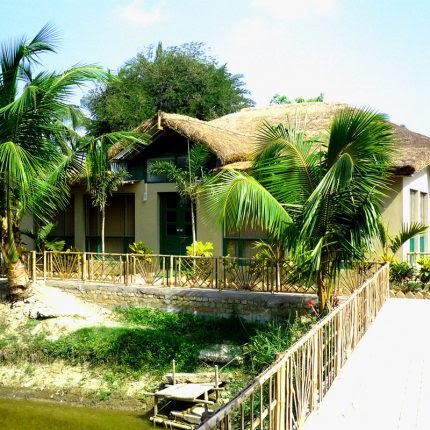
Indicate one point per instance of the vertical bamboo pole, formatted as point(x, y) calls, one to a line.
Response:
point(173, 372)
point(216, 383)
point(44, 265)
point(33, 266)
point(127, 269)
point(171, 279)
point(164, 272)
point(84, 267)
point(339, 343)
point(282, 398)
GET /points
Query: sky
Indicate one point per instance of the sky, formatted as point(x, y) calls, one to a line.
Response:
point(373, 53)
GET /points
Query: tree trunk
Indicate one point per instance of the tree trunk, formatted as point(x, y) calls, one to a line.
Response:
point(103, 229)
point(193, 228)
point(322, 292)
point(18, 283)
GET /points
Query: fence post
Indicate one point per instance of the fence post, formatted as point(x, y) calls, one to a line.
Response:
point(44, 265)
point(33, 266)
point(215, 272)
point(84, 266)
point(171, 279)
point(127, 270)
point(339, 332)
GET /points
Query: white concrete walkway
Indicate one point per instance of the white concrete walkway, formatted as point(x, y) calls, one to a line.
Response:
point(385, 384)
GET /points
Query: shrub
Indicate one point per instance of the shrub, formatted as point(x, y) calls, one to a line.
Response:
point(140, 248)
point(424, 273)
point(202, 249)
point(400, 273)
point(276, 337)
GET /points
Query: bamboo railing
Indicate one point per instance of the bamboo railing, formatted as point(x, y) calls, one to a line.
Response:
point(221, 273)
point(282, 397)
point(413, 257)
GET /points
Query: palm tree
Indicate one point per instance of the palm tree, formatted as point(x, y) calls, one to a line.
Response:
point(320, 199)
point(34, 165)
point(189, 180)
point(102, 177)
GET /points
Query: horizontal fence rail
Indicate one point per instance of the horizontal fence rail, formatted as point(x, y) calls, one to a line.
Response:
point(221, 273)
point(413, 257)
point(282, 397)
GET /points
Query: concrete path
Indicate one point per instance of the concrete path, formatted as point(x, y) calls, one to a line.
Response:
point(385, 384)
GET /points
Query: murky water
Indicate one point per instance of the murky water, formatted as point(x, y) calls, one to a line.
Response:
point(28, 415)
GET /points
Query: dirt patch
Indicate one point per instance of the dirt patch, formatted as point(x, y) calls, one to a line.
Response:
point(55, 313)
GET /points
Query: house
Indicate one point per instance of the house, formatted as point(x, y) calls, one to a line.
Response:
point(148, 209)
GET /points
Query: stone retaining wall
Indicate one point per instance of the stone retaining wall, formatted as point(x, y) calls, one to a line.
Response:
point(247, 304)
point(398, 294)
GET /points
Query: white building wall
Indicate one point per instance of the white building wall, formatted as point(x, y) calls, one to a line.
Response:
point(420, 183)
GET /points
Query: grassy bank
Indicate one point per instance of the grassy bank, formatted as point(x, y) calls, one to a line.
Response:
point(142, 343)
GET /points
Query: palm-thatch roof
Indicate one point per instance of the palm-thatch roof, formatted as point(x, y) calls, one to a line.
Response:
point(231, 137)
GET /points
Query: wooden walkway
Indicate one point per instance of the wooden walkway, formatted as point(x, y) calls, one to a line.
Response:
point(385, 384)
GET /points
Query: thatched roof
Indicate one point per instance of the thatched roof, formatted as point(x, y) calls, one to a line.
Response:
point(231, 137)
point(228, 145)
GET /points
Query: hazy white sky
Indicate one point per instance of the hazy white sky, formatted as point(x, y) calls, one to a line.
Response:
point(365, 52)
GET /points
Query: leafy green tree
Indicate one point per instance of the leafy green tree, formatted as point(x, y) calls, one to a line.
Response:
point(320, 199)
point(35, 156)
point(179, 79)
point(281, 99)
point(189, 180)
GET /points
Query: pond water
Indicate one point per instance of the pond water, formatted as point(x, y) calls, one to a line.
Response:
point(30, 415)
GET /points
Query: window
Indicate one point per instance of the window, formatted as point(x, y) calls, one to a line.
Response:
point(413, 205)
point(423, 218)
point(119, 225)
point(64, 226)
point(241, 243)
point(156, 178)
point(418, 213)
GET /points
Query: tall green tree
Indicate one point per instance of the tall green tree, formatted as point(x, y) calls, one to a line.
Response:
point(321, 200)
point(179, 79)
point(35, 156)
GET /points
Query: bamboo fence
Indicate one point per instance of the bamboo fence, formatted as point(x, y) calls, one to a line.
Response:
point(282, 397)
point(221, 273)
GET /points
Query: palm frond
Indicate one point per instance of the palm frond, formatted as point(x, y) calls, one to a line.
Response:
point(239, 201)
point(408, 232)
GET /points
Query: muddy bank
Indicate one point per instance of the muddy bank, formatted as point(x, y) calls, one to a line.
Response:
point(52, 313)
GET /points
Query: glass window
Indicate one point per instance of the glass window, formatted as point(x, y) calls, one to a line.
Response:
point(119, 224)
point(414, 205)
point(241, 243)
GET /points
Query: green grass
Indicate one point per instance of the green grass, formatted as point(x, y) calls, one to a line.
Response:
point(150, 339)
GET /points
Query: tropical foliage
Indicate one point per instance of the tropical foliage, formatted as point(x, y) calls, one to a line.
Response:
point(320, 198)
point(36, 136)
point(42, 239)
point(179, 79)
point(391, 244)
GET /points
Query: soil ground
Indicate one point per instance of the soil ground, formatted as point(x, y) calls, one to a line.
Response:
point(55, 313)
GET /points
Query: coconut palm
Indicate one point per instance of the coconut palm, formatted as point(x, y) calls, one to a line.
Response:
point(35, 163)
point(320, 199)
